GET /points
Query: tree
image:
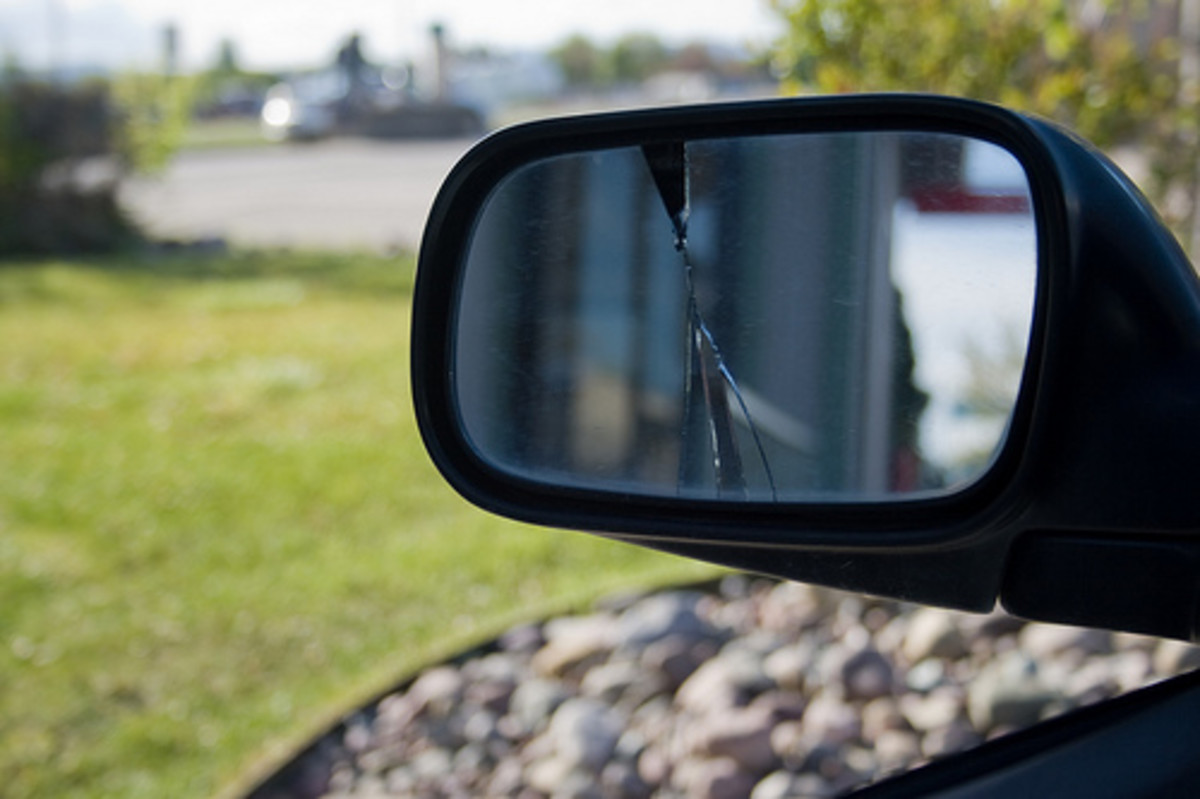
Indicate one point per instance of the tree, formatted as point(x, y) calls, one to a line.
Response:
point(50, 134)
point(1079, 64)
point(580, 60)
point(637, 56)
point(47, 132)
point(153, 113)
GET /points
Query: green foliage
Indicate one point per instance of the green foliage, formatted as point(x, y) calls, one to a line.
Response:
point(638, 56)
point(631, 59)
point(154, 112)
point(1038, 56)
point(42, 124)
point(47, 134)
point(581, 62)
point(64, 149)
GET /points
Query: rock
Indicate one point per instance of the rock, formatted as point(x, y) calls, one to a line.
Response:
point(677, 657)
point(716, 779)
point(740, 586)
point(792, 607)
point(891, 637)
point(357, 737)
point(400, 781)
point(472, 758)
point(1131, 669)
point(1045, 641)
point(756, 643)
point(621, 780)
point(654, 766)
point(1124, 641)
point(789, 666)
point(880, 716)
point(496, 667)
point(861, 761)
point(926, 675)
point(523, 639)
point(897, 750)
point(812, 786)
point(490, 696)
point(866, 675)
point(431, 764)
point(728, 680)
point(578, 785)
point(609, 681)
point(480, 725)
point(743, 735)
point(933, 633)
point(547, 774)
point(681, 694)
point(733, 617)
point(630, 745)
point(1175, 657)
point(533, 702)
point(937, 709)
point(781, 705)
point(1008, 693)
point(573, 642)
point(1094, 680)
point(789, 743)
point(828, 720)
point(654, 720)
point(585, 732)
point(992, 625)
point(957, 736)
point(436, 692)
point(662, 615)
point(506, 778)
point(776, 785)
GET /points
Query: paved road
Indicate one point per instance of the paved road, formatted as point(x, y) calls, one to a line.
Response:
point(360, 194)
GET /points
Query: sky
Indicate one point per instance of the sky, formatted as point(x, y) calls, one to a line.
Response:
point(281, 34)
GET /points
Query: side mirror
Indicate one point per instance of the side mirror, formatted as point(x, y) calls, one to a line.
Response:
point(911, 346)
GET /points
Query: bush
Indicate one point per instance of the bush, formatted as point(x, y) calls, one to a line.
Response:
point(58, 175)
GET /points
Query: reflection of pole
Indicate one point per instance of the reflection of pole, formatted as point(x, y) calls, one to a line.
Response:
point(880, 154)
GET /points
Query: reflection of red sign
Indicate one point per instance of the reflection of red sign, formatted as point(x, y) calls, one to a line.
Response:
point(961, 200)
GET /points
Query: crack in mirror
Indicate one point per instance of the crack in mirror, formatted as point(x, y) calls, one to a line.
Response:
point(786, 318)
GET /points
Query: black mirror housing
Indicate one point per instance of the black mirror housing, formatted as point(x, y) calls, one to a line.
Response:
point(1085, 514)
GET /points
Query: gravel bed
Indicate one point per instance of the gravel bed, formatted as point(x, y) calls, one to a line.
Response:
point(748, 688)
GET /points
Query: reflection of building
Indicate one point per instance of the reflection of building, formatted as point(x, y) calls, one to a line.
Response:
point(583, 368)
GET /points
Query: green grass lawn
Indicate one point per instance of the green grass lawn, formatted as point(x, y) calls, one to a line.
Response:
point(218, 527)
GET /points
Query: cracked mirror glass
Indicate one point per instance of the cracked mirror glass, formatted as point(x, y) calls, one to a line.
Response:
point(792, 318)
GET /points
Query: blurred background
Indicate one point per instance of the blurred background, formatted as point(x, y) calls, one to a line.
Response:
point(218, 529)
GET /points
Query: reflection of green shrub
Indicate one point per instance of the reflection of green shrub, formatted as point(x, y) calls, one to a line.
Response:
point(49, 136)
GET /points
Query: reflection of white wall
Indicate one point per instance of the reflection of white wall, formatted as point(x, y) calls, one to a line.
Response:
point(968, 281)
